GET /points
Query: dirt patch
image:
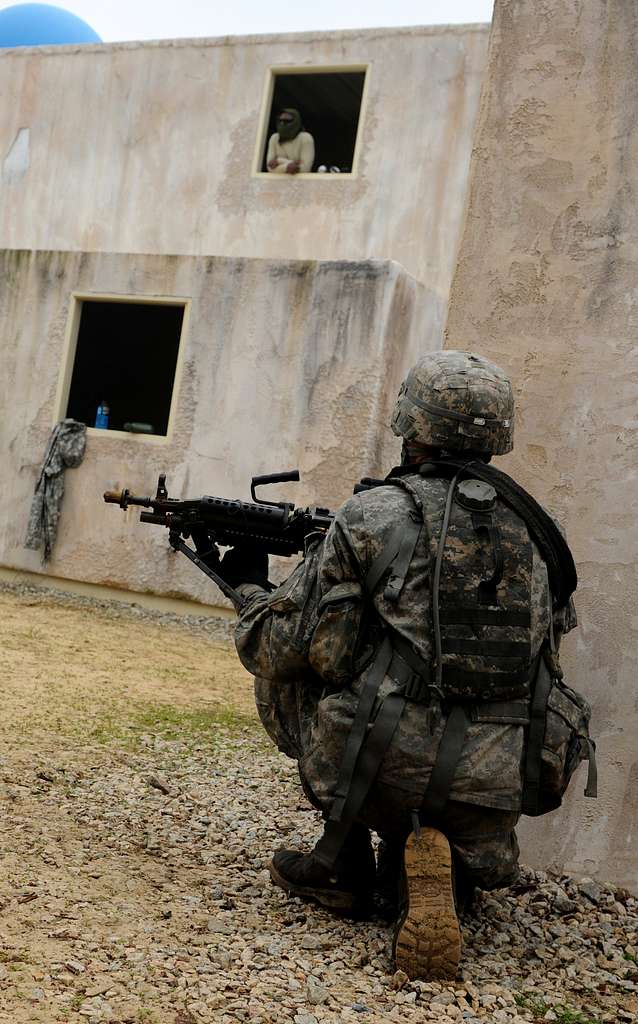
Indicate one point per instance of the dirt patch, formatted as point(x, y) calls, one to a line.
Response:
point(70, 671)
point(140, 807)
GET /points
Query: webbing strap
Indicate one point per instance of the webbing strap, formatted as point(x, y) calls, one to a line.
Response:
point(335, 831)
point(359, 728)
point(502, 712)
point(436, 583)
point(591, 788)
point(401, 563)
point(535, 737)
point(458, 616)
point(486, 648)
point(406, 651)
point(453, 676)
point(383, 560)
point(447, 758)
point(483, 522)
point(461, 677)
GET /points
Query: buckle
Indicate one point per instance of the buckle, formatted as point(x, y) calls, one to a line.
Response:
point(415, 689)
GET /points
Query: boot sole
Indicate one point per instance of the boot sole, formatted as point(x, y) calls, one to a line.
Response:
point(428, 937)
point(334, 899)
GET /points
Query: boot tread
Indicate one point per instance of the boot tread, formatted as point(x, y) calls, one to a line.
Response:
point(428, 938)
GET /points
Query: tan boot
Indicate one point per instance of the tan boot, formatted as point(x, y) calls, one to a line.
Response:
point(427, 942)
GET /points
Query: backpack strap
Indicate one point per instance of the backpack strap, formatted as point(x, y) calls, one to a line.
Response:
point(436, 584)
point(591, 788)
point(401, 564)
point(359, 727)
point(329, 846)
point(447, 759)
point(398, 551)
point(535, 737)
point(383, 561)
point(355, 779)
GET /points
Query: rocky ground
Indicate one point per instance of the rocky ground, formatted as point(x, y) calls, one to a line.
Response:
point(141, 804)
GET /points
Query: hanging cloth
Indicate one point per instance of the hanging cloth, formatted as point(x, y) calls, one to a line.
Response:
point(65, 449)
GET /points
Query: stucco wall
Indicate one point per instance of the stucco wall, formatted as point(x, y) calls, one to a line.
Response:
point(149, 147)
point(285, 365)
point(546, 286)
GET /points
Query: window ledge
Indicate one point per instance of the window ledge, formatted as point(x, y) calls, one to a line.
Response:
point(129, 435)
point(311, 176)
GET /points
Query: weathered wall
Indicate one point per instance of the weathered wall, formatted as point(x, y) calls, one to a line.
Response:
point(546, 286)
point(149, 148)
point(286, 364)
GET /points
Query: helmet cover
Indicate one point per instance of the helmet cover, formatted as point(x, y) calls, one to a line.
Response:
point(457, 401)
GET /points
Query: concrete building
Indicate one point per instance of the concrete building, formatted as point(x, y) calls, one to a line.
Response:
point(546, 286)
point(157, 148)
point(282, 364)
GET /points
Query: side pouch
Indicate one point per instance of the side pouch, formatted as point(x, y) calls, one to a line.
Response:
point(558, 740)
point(334, 645)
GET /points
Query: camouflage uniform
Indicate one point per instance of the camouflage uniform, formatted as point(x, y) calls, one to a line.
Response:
point(65, 449)
point(305, 643)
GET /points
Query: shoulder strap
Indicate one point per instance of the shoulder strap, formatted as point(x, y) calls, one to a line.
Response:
point(447, 759)
point(398, 550)
point(383, 560)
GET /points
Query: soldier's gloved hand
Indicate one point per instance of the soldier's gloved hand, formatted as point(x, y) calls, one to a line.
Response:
point(246, 563)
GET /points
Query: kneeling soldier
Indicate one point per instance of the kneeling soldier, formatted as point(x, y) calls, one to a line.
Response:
point(397, 664)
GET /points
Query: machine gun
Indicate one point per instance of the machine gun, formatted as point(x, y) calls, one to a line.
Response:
point(277, 527)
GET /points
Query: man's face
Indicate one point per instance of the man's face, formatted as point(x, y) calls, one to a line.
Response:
point(288, 124)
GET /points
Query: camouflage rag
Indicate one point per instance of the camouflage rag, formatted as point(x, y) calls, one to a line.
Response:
point(65, 450)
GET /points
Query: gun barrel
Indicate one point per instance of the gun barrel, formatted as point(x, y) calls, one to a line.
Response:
point(113, 497)
point(125, 498)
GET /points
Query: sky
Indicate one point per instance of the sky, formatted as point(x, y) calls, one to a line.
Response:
point(116, 20)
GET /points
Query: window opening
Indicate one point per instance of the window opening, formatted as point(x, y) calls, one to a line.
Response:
point(124, 365)
point(330, 105)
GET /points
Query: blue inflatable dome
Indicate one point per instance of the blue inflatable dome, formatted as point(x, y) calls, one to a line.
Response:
point(42, 25)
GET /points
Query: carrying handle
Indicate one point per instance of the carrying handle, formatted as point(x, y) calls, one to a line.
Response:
point(291, 476)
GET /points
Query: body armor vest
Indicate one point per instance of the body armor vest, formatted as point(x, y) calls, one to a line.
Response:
point(484, 598)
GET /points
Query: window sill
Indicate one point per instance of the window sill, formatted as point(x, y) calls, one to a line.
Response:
point(128, 435)
point(312, 176)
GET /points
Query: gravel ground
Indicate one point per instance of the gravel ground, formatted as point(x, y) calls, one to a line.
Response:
point(214, 627)
point(134, 883)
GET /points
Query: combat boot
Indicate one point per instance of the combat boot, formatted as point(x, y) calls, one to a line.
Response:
point(427, 938)
point(347, 888)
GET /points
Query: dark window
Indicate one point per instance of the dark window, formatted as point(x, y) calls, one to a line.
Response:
point(125, 357)
point(329, 103)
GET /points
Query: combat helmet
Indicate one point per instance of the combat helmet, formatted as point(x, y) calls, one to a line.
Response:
point(457, 401)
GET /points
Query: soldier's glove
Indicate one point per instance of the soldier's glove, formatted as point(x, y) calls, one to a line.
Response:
point(245, 564)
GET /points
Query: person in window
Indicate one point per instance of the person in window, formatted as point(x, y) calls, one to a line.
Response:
point(290, 148)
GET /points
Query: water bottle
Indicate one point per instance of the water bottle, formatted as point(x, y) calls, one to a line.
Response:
point(102, 416)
